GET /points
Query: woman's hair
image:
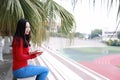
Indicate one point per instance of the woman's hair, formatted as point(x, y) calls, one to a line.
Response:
point(20, 32)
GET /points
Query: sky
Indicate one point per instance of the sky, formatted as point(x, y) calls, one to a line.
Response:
point(89, 18)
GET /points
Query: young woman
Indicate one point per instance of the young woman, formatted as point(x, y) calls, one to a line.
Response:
point(21, 54)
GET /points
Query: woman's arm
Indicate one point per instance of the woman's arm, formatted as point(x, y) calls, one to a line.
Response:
point(19, 53)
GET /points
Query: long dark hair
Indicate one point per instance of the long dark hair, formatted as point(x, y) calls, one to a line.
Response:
point(20, 32)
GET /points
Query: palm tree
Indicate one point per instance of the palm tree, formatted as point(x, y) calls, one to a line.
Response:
point(37, 12)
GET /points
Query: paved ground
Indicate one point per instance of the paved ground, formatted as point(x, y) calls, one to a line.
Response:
point(5, 73)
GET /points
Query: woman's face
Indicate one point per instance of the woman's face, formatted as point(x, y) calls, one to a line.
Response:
point(27, 29)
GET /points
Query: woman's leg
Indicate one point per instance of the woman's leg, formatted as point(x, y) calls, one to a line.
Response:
point(40, 71)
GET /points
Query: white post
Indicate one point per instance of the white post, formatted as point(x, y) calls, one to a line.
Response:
point(6, 48)
point(1, 49)
point(11, 40)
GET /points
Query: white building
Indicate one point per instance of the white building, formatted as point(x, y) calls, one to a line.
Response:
point(107, 35)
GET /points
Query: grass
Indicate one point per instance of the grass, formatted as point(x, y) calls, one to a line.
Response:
point(88, 53)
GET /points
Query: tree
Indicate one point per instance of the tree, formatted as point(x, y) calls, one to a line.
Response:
point(79, 35)
point(96, 33)
point(40, 13)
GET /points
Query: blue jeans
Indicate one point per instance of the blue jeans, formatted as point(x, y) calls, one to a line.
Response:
point(40, 72)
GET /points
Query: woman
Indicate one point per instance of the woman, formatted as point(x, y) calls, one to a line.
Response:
point(21, 54)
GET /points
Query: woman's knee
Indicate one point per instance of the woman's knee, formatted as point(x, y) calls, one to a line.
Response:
point(46, 70)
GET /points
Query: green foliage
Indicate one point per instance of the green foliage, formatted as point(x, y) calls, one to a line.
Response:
point(79, 35)
point(109, 42)
point(96, 33)
point(41, 16)
point(55, 34)
point(113, 42)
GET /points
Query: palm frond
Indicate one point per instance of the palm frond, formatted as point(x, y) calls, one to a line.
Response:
point(9, 16)
point(38, 13)
point(67, 19)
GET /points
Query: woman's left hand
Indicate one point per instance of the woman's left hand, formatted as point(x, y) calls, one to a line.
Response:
point(38, 52)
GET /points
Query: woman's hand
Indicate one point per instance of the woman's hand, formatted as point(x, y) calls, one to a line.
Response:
point(37, 52)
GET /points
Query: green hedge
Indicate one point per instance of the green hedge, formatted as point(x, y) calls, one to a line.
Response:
point(113, 42)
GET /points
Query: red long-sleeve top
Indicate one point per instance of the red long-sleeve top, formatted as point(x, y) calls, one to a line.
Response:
point(20, 54)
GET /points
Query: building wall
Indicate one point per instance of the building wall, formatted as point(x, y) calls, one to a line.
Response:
point(106, 35)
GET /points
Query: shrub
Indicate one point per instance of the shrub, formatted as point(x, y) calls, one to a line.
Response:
point(113, 42)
